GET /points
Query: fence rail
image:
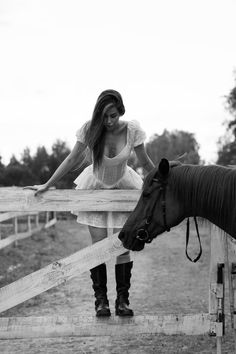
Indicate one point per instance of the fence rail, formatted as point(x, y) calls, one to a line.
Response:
point(17, 199)
point(86, 326)
point(11, 215)
point(19, 235)
point(59, 272)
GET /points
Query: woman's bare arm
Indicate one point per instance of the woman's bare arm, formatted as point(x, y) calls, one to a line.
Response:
point(143, 158)
point(70, 161)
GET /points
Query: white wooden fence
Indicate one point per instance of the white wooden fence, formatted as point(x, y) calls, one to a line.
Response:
point(19, 235)
point(59, 272)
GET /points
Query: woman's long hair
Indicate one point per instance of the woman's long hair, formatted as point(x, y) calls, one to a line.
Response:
point(95, 134)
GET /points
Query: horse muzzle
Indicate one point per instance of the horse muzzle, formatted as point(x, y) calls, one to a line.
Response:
point(131, 243)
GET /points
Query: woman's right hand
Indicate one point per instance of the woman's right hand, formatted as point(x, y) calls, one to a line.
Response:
point(39, 188)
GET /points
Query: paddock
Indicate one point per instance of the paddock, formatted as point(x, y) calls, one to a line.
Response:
point(140, 325)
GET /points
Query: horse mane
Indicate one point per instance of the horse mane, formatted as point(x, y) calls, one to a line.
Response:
point(211, 188)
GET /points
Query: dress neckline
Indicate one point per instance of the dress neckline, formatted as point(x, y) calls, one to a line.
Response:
point(110, 158)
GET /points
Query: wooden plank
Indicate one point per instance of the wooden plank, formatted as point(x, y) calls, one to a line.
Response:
point(15, 221)
point(59, 272)
point(233, 289)
point(29, 222)
point(20, 236)
point(87, 325)
point(17, 199)
point(50, 223)
point(16, 237)
point(37, 220)
point(217, 256)
point(11, 214)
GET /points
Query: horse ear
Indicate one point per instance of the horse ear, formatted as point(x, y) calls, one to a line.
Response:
point(164, 168)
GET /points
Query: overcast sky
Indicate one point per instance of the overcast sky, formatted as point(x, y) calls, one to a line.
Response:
point(172, 61)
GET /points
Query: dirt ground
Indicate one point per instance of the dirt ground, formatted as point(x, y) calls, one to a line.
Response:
point(163, 282)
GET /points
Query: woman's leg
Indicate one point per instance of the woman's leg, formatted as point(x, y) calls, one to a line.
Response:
point(97, 233)
point(99, 277)
point(123, 275)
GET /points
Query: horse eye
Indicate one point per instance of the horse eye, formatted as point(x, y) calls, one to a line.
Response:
point(155, 180)
point(146, 193)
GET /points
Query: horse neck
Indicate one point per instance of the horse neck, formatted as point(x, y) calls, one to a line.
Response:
point(202, 194)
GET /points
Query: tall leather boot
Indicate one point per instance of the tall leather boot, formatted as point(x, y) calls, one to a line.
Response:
point(99, 278)
point(123, 275)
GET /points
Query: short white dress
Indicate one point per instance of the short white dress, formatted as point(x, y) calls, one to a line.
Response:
point(113, 173)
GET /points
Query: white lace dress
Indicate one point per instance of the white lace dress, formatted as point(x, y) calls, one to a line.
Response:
point(112, 174)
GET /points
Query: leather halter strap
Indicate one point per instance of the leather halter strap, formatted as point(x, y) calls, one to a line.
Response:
point(143, 235)
point(187, 240)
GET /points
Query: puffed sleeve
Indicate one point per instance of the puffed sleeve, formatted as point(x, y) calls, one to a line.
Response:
point(80, 134)
point(139, 134)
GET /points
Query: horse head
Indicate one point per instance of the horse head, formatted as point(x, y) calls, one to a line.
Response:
point(157, 210)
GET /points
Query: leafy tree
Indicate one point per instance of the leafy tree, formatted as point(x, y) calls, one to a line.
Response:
point(16, 175)
point(13, 161)
point(40, 165)
point(231, 106)
point(1, 172)
point(227, 154)
point(227, 143)
point(1, 164)
point(173, 144)
point(26, 158)
point(59, 152)
point(38, 169)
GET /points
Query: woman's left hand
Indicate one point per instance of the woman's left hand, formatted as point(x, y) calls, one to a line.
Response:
point(38, 188)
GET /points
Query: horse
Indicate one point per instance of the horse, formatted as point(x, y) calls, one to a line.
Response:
point(173, 191)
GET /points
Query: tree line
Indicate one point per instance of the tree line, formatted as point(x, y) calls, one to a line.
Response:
point(227, 143)
point(38, 168)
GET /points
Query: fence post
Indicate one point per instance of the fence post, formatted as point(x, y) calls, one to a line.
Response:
point(233, 277)
point(220, 307)
point(37, 220)
point(16, 229)
point(47, 217)
point(29, 222)
point(216, 286)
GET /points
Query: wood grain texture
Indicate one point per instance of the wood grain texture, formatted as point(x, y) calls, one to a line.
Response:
point(59, 272)
point(87, 325)
point(18, 199)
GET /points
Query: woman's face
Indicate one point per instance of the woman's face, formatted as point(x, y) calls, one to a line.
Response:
point(111, 117)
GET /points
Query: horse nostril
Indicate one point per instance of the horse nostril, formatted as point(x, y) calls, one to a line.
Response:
point(142, 235)
point(121, 235)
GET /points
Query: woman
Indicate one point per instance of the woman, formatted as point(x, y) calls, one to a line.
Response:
point(111, 141)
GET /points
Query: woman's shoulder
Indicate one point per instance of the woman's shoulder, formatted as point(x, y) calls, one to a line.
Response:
point(133, 125)
point(80, 133)
point(84, 126)
point(137, 134)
